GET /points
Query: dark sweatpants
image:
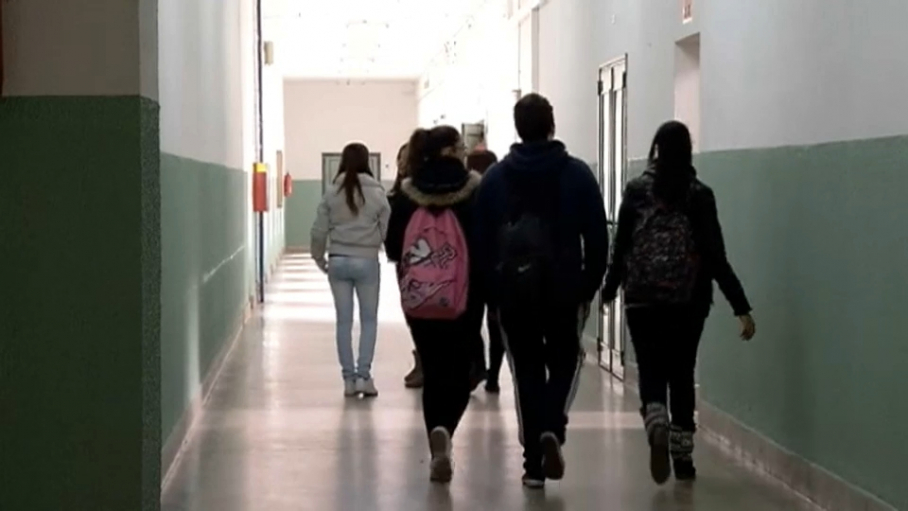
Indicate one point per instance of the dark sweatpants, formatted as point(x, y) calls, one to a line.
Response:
point(666, 339)
point(496, 349)
point(548, 341)
point(446, 356)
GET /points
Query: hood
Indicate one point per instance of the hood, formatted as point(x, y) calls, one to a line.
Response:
point(537, 156)
point(441, 183)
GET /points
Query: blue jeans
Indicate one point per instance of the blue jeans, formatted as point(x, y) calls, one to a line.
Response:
point(348, 275)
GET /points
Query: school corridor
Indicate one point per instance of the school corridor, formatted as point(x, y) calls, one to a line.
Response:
point(165, 343)
point(277, 433)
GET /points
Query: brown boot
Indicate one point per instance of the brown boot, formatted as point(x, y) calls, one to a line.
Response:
point(414, 380)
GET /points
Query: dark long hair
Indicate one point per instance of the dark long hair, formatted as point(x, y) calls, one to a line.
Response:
point(401, 170)
point(427, 145)
point(354, 161)
point(671, 158)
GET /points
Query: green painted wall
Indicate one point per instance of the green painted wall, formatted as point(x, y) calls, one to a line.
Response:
point(299, 211)
point(204, 286)
point(79, 366)
point(817, 234)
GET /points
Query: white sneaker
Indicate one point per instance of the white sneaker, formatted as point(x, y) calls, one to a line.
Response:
point(366, 388)
point(441, 469)
point(350, 388)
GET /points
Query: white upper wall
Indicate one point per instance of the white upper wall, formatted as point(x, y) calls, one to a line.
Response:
point(78, 47)
point(568, 73)
point(781, 72)
point(322, 116)
point(201, 70)
point(773, 73)
point(478, 82)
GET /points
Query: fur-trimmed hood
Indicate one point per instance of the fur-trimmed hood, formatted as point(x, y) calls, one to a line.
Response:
point(441, 185)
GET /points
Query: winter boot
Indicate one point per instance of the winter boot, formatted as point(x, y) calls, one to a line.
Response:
point(682, 449)
point(657, 431)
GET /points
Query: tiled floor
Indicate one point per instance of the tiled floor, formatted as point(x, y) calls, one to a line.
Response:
point(278, 435)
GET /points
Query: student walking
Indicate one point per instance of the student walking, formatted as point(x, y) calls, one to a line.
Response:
point(544, 244)
point(668, 250)
point(353, 215)
point(480, 160)
point(429, 237)
point(413, 379)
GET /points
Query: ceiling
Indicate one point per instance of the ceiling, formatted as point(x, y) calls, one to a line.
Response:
point(362, 38)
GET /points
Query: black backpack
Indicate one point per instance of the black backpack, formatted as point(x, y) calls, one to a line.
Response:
point(663, 263)
point(528, 241)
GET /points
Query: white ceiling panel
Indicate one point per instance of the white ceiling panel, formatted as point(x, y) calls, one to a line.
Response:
point(362, 38)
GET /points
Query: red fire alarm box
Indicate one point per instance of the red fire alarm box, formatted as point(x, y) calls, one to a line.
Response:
point(260, 188)
point(288, 185)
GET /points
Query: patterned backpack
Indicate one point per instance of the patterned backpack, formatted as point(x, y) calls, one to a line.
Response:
point(434, 273)
point(663, 262)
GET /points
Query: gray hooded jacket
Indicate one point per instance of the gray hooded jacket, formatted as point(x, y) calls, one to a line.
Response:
point(341, 232)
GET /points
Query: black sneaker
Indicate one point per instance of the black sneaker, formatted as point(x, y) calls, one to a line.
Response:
point(552, 458)
point(660, 466)
point(685, 470)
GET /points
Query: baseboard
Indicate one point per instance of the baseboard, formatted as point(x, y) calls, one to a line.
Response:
point(807, 479)
point(182, 432)
point(590, 345)
point(813, 482)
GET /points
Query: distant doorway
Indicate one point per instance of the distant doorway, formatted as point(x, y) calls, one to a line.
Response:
point(331, 164)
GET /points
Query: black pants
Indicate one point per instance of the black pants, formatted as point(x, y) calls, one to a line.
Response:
point(444, 348)
point(666, 339)
point(546, 341)
point(496, 349)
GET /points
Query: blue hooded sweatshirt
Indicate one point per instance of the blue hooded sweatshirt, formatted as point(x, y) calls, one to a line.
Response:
point(581, 224)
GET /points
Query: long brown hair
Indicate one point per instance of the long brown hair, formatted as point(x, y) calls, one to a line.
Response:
point(671, 158)
point(354, 161)
point(401, 169)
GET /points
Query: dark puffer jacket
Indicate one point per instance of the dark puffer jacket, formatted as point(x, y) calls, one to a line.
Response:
point(441, 184)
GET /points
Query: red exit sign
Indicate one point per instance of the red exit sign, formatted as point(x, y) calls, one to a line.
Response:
point(687, 10)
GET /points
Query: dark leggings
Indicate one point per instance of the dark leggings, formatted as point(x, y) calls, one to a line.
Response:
point(665, 340)
point(446, 359)
point(496, 347)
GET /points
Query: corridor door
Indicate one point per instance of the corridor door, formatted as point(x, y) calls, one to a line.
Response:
point(612, 176)
point(331, 164)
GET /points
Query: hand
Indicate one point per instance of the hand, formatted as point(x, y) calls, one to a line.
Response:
point(748, 327)
point(323, 266)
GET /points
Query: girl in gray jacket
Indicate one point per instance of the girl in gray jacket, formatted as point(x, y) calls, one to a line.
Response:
point(350, 226)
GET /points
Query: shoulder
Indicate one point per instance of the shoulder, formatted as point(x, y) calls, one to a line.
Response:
point(578, 173)
point(702, 192)
point(639, 184)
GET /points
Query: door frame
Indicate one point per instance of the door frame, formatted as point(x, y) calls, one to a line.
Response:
point(325, 156)
point(612, 354)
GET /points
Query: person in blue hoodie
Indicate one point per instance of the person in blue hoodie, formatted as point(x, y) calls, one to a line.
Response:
point(542, 240)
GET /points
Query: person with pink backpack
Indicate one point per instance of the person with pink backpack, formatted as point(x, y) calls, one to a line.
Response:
point(430, 237)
